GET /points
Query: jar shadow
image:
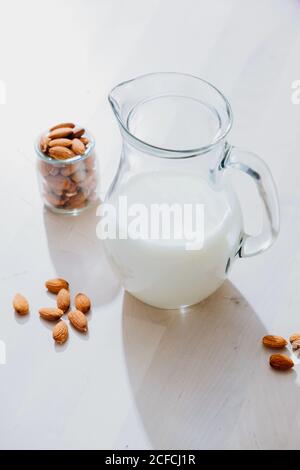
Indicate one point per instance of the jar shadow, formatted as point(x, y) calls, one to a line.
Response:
point(199, 378)
point(78, 255)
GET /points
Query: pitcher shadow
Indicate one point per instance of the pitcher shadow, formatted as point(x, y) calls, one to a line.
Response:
point(78, 255)
point(190, 371)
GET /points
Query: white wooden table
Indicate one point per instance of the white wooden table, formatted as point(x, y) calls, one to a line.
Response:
point(145, 378)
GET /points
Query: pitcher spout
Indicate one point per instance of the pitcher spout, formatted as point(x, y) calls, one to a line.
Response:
point(119, 98)
point(114, 102)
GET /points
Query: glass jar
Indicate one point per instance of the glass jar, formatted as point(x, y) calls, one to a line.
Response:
point(68, 186)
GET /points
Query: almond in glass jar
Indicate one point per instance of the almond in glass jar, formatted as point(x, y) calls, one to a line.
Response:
point(67, 169)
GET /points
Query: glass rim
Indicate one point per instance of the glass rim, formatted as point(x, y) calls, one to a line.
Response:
point(185, 153)
point(68, 161)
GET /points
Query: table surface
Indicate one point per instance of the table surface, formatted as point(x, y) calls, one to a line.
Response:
point(145, 378)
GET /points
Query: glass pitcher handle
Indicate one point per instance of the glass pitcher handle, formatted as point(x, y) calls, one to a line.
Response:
point(253, 166)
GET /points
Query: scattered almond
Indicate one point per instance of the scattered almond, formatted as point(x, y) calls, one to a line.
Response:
point(61, 132)
point(60, 332)
point(78, 147)
point(78, 320)
point(272, 341)
point(82, 303)
point(51, 314)
point(20, 304)
point(63, 300)
point(62, 125)
point(281, 362)
point(76, 317)
point(55, 285)
point(294, 337)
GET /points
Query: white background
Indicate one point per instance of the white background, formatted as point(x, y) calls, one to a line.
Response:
point(145, 378)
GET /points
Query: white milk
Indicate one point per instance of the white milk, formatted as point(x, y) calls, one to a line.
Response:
point(161, 272)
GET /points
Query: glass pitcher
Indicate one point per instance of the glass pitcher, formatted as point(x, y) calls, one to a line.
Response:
point(175, 154)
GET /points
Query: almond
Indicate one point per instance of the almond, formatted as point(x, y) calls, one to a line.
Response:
point(20, 304)
point(78, 176)
point(85, 140)
point(60, 133)
point(88, 182)
point(62, 125)
point(281, 362)
point(76, 201)
point(82, 205)
point(60, 332)
point(55, 200)
point(296, 344)
point(55, 285)
point(69, 169)
point(294, 337)
point(272, 341)
point(82, 303)
point(63, 300)
point(91, 192)
point(72, 189)
point(50, 314)
point(78, 147)
point(58, 183)
point(44, 142)
point(78, 320)
point(89, 163)
point(61, 153)
point(54, 171)
point(60, 143)
point(45, 168)
point(70, 194)
point(78, 132)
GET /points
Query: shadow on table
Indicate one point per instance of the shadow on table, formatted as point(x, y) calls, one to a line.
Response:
point(78, 255)
point(191, 374)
